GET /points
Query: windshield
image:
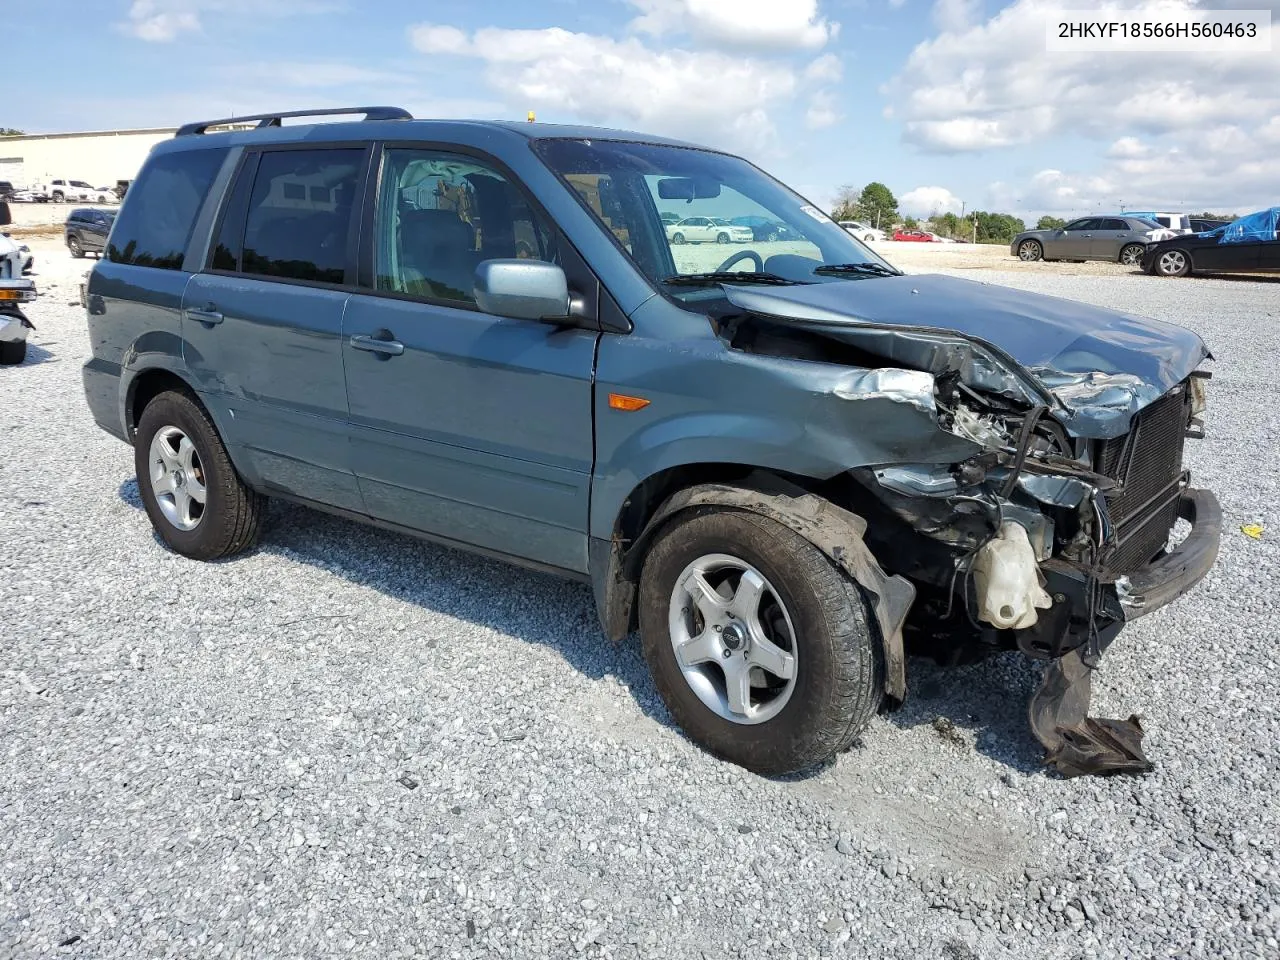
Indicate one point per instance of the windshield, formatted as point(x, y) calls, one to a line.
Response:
point(680, 213)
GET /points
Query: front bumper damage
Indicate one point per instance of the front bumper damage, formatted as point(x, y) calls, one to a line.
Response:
point(1075, 743)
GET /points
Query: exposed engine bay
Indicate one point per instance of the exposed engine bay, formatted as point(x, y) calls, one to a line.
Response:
point(1032, 507)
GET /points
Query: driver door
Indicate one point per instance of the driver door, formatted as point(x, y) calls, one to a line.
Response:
point(465, 425)
point(1072, 241)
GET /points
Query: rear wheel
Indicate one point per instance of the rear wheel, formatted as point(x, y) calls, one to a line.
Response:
point(73, 244)
point(1030, 250)
point(678, 238)
point(196, 501)
point(1131, 254)
point(760, 647)
point(58, 196)
point(12, 352)
point(1173, 263)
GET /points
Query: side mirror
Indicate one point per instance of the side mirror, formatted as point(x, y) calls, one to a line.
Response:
point(522, 289)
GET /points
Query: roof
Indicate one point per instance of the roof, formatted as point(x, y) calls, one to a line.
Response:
point(420, 130)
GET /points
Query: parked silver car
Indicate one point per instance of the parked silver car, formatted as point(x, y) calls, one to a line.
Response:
point(1122, 239)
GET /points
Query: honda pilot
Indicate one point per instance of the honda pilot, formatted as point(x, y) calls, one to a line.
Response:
point(784, 463)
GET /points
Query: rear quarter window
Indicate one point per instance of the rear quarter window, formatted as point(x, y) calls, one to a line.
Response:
point(155, 224)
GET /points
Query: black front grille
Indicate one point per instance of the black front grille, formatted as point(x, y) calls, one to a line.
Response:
point(1147, 462)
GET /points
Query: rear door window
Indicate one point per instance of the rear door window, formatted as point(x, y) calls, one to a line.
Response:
point(297, 223)
point(1114, 224)
point(155, 224)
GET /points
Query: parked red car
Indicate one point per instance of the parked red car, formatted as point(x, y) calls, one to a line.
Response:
point(916, 235)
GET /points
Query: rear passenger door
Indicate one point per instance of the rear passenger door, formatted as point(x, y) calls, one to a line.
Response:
point(465, 425)
point(1111, 234)
point(262, 323)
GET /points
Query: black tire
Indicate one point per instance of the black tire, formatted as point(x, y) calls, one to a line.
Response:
point(678, 238)
point(233, 513)
point(12, 352)
point(1172, 263)
point(722, 238)
point(57, 197)
point(74, 245)
point(1131, 254)
point(839, 659)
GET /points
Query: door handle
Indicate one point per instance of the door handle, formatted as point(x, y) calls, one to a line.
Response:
point(208, 315)
point(387, 348)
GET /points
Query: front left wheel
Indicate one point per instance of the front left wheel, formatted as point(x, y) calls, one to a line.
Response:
point(761, 648)
point(1173, 263)
point(197, 502)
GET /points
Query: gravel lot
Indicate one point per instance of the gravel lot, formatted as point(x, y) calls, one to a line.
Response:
point(354, 744)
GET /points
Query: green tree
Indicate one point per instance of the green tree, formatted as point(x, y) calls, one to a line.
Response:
point(997, 227)
point(846, 205)
point(945, 225)
point(11, 132)
point(910, 224)
point(1050, 223)
point(877, 205)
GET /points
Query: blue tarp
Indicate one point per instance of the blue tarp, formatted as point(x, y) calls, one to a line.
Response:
point(1256, 226)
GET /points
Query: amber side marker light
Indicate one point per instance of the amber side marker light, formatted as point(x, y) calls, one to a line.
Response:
point(620, 401)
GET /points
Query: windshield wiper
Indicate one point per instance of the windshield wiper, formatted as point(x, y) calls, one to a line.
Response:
point(874, 269)
point(724, 276)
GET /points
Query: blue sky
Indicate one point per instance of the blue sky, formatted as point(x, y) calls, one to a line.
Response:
point(947, 101)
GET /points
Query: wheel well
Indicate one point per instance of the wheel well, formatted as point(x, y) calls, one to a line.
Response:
point(649, 495)
point(146, 387)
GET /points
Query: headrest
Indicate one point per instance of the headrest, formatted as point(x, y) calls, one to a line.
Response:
point(436, 227)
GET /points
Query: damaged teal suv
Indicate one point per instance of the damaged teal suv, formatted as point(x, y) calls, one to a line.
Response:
point(780, 459)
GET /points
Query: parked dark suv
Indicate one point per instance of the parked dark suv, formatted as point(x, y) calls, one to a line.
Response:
point(86, 230)
point(780, 465)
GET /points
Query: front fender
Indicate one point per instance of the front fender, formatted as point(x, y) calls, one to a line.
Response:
point(837, 532)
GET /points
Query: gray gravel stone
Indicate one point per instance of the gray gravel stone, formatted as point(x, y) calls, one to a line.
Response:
point(314, 673)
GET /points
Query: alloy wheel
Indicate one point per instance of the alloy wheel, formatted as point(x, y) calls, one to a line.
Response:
point(177, 478)
point(733, 639)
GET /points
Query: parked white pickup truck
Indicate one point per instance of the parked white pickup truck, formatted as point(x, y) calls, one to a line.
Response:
point(69, 191)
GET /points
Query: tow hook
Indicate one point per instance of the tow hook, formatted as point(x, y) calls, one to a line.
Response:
point(1075, 743)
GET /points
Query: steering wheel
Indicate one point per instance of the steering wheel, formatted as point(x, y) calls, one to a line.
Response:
point(739, 257)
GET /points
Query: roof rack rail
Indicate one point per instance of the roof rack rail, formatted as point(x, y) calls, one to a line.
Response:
point(273, 119)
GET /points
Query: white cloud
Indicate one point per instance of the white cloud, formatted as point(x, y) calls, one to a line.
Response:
point(761, 24)
point(997, 77)
point(988, 84)
point(822, 111)
point(955, 15)
point(826, 69)
point(926, 201)
point(161, 21)
point(1128, 148)
point(151, 20)
point(436, 38)
point(701, 95)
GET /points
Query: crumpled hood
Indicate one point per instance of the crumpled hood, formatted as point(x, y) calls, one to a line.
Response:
point(1101, 365)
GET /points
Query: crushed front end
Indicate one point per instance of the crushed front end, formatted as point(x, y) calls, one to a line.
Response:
point(1050, 543)
point(1019, 459)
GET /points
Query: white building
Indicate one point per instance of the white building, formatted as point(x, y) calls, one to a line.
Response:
point(100, 157)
